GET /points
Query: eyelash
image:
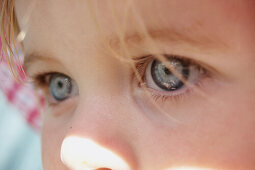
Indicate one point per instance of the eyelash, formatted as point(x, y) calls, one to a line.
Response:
point(141, 63)
point(41, 80)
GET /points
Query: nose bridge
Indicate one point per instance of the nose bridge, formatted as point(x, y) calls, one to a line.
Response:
point(101, 111)
point(101, 123)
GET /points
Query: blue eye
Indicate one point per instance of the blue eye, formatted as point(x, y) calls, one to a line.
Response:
point(159, 77)
point(61, 87)
point(166, 79)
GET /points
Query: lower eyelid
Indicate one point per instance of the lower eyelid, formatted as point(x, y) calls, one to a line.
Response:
point(54, 103)
point(65, 107)
point(198, 88)
point(166, 93)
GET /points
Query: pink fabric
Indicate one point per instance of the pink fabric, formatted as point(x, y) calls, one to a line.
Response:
point(21, 96)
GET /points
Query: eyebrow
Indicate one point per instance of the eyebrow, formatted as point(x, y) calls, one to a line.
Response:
point(203, 42)
point(31, 58)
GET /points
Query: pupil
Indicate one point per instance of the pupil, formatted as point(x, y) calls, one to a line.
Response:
point(165, 79)
point(167, 71)
point(60, 84)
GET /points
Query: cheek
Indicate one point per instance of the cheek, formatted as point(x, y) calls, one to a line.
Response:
point(228, 132)
point(219, 133)
point(52, 137)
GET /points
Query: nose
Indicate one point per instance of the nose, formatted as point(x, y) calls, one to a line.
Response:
point(84, 154)
point(97, 139)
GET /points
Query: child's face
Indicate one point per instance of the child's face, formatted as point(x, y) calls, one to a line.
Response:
point(208, 124)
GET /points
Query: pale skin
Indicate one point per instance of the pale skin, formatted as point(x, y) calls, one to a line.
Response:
point(213, 129)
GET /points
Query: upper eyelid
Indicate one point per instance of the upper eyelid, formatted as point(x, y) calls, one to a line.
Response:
point(36, 63)
point(165, 57)
point(32, 58)
point(41, 80)
point(140, 63)
point(193, 61)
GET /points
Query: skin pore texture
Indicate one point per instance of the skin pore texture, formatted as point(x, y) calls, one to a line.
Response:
point(212, 126)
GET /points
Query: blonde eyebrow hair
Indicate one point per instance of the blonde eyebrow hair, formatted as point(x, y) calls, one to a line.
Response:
point(31, 58)
point(173, 35)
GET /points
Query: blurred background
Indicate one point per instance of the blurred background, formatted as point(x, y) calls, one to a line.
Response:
point(19, 123)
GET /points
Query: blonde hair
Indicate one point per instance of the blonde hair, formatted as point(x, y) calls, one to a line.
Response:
point(9, 30)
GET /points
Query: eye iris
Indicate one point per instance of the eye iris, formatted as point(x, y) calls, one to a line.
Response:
point(60, 87)
point(165, 78)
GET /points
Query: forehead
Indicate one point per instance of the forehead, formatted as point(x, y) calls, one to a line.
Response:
point(72, 23)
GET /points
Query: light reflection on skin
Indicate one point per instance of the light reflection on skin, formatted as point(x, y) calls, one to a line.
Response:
point(85, 154)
